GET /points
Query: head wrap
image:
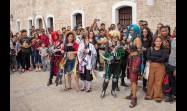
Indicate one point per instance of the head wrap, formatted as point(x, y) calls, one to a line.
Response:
point(53, 34)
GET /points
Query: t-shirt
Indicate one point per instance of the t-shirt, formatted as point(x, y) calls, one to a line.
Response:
point(28, 41)
point(43, 51)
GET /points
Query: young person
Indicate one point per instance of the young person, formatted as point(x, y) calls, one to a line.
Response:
point(146, 39)
point(134, 61)
point(112, 55)
point(55, 55)
point(101, 43)
point(171, 71)
point(26, 51)
point(157, 56)
point(86, 56)
point(70, 48)
point(44, 53)
point(36, 43)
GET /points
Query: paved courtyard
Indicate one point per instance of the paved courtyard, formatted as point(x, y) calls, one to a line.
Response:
point(28, 92)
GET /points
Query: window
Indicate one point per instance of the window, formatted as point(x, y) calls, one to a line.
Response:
point(40, 24)
point(78, 19)
point(50, 23)
point(30, 27)
point(125, 16)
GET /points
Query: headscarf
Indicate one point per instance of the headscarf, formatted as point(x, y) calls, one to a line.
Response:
point(53, 34)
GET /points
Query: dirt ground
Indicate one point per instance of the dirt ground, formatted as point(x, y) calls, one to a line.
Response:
point(28, 92)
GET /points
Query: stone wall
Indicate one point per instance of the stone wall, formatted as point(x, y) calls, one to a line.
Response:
point(162, 11)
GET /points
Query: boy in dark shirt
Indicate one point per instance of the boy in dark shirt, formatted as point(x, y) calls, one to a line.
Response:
point(26, 50)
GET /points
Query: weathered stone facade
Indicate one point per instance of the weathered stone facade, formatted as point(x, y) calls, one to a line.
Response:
point(62, 11)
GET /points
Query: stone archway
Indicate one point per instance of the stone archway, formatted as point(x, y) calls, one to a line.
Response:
point(50, 22)
point(39, 23)
point(118, 5)
point(30, 24)
point(77, 18)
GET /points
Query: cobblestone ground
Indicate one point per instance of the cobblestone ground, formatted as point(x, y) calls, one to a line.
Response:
point(28, 92)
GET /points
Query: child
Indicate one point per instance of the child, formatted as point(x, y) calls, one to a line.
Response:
point(43, 51)
point(86, 55)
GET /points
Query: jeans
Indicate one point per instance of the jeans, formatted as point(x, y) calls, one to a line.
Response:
point(45, 62)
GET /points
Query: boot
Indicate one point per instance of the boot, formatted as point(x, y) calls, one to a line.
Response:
point(169, 99)
point(57, 79)
point(83, 85)
point(49, 83)
point(114, 86)
point(117, 86)
point(133, 102)
point(88, 88)
point(105, 85)
point(60, 80)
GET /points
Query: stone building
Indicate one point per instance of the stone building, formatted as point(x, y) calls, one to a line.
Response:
point(59, 13)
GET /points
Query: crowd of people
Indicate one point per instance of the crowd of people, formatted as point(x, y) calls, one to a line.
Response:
point(132, 51)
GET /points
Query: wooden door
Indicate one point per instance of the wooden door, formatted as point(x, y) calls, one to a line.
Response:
point(79, 19)
point(125, 16)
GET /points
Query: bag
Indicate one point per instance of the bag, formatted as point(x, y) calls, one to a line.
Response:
point(146, 70)
point(166, 87)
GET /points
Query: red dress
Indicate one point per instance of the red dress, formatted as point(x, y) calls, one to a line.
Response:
point(44, 38)
point(56, 59)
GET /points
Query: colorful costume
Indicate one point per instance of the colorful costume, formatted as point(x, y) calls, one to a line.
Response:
point(56, 55)
point(86, 64)
point(70, 62)
point(101, 49)
point(134, 62)
point(112, 56)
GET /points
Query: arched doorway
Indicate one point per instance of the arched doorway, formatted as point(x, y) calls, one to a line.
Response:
point(30, 27)
point(39, 23)
point(124, 12)
point(77, 19)
point(125, 15)
point(50, 24)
